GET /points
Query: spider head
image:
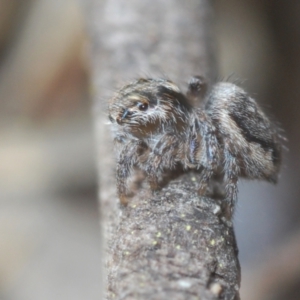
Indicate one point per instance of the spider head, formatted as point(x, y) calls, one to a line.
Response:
point(132, 109)
point(151, 103)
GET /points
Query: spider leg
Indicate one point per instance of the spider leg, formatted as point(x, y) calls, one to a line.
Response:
point(197, 89)
point(232, 171)
point(163, 157)
point(204, 149)
point(211, 164)
point(127, 159)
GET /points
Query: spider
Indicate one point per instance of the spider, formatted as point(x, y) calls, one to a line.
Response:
point(156, 129)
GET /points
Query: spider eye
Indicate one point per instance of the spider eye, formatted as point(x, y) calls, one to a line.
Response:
point(142, 106)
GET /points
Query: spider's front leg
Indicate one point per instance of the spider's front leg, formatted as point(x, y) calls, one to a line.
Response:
point(128, 158)
point(163, 157)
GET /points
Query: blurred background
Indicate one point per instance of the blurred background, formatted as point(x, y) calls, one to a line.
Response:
point(49, 223)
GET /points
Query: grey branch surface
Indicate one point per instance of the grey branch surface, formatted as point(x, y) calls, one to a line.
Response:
point(171, 244)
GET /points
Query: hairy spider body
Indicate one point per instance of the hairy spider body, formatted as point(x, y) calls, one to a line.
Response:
point(156, 129)
point(251, 144)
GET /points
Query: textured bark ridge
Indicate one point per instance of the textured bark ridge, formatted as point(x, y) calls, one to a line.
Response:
point(173, 244)
point(170, 244)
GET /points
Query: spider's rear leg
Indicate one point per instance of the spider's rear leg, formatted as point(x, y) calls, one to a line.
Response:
point(210, 166)
point(203, 185)
point(232, 172)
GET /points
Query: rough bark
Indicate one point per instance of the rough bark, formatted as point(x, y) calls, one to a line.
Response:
point(171, 244)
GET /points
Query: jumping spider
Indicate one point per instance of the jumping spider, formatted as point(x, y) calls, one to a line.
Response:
point(156, 129)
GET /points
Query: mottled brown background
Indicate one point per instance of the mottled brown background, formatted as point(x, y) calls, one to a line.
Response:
point(49, 235)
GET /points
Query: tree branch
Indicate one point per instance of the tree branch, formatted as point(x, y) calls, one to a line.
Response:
point(171, 244)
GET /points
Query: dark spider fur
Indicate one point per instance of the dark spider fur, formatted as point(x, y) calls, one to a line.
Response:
point(156, 129)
